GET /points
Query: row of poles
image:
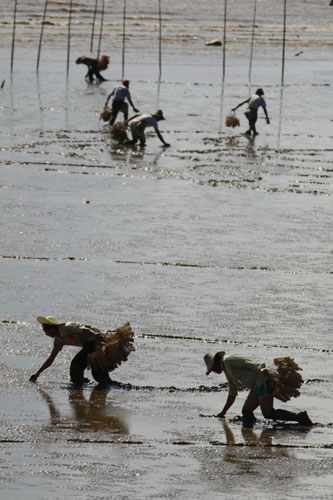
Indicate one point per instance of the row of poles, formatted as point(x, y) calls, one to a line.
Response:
point(102, 10)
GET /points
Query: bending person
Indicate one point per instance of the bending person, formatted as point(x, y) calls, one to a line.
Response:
point(138, 124)
point(94, 67)
point(102, 351)
point(246, 373)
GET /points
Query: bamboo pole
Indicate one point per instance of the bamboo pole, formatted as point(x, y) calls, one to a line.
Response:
point(252, 40)
point(93, 27)
point(69, 33)
point(284, 40)
point(224, 39)
point(41, 35)
point(160, 41)
point(101, 30)
point(124, 39)
point(13, 38)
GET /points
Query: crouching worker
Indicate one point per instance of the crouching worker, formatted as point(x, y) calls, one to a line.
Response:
point(138, 124)
point(282, 382)
point(101, 351)
point(94, 67)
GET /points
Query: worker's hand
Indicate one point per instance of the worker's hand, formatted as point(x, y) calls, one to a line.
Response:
point(136, 110)
point(233, 109)
point(33, 378)
point(221, 414)
point(166, 145)
point(267, 120)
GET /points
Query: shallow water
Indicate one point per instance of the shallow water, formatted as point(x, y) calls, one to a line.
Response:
point(218, 243)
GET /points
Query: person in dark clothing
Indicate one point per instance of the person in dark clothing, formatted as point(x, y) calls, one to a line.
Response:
point(94, 67)
point(102, 351)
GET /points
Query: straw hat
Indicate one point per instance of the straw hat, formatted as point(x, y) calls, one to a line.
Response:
point(49, 320)
point(209, 359)
point(159, 114)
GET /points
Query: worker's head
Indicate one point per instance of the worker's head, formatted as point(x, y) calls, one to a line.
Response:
point(50, 325)
point(214, 362)
point(159, 115)
point(260, 92)
point(126, 83)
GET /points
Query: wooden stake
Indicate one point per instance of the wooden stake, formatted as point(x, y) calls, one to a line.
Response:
point(284, 40)
point(13, 38)
point(160, 41)
point(69, 34)
point(224, 39)
point(101, 30)
point(41, 35)
point(93, 27)
point(252, 40)
point(124, 32)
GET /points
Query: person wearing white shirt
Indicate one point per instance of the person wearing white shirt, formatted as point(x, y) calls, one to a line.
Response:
point(138, 124)
point(254, 103)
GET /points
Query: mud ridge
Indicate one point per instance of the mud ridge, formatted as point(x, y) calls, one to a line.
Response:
point(200, 388)
point(27, 257)
point(234, 342)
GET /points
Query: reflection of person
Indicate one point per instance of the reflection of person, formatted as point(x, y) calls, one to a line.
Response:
point(88, 415)
point(102, 351)
point(246, 373)
point(94, 67)
point(138, 124)
point(254, 103)
point(118, 102)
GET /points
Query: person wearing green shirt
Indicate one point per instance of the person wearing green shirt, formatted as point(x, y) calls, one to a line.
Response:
point(243, 373)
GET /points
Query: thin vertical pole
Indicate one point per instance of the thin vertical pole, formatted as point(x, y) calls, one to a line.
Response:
point(13, 38)
point(93, 27)
point(41, 34)
point(252, 40)
point(69, 33)
point(224, 39)
point(160, 41)
point(124, 33)
point(101, 30)
point(284, 40)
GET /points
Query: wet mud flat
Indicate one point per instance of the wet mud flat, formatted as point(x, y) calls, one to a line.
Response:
point(218, 243)
point(156, 438)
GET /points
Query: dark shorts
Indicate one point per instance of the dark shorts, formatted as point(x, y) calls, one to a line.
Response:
point(263, 389)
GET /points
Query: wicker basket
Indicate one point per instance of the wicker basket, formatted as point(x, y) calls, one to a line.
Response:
point(106, 114)
point(232, 121)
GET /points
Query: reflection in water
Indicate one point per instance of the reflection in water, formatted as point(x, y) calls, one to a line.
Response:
point(221, 108)
point(280, 119)
point(40, 103)
point(262, 448)
point(158, 94)
point(88, 415)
